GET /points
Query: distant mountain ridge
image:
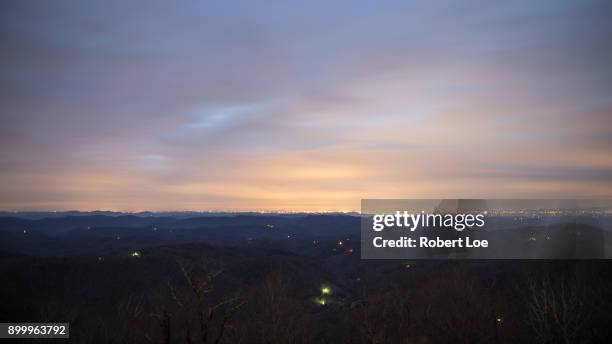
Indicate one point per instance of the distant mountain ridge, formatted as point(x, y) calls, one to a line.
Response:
point(34, 215)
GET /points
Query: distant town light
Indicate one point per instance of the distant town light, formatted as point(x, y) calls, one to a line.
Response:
point(325, 290)
point(321, 302)
point(136, 254)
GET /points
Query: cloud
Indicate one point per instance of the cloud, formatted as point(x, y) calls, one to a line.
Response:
point(307, 106)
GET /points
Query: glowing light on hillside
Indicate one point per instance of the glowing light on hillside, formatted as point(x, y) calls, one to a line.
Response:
point(135, 254)
point(321, 302)
point(325, 290)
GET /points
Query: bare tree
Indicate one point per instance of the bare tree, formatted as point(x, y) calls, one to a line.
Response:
point(191, 310)
point(274, 316)
point(558, 312)
point(385, 318)
point(454, 305)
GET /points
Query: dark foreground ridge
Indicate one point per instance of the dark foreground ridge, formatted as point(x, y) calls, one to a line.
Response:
point(281, 279)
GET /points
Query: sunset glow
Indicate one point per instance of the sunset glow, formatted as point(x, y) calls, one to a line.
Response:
point(301, 108)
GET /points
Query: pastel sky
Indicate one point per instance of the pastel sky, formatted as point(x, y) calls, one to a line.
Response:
point(309, 105)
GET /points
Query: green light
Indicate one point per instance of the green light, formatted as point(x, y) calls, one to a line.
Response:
point(321, 302)
point(325, 290)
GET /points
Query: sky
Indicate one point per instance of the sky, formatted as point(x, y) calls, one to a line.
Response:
point(301, 106)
